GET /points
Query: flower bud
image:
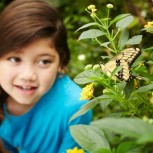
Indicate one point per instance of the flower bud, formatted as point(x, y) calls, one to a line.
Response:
point(88, 67)
point(105, 91)
point(109, 6)
point(92, 8)
point(96, 67)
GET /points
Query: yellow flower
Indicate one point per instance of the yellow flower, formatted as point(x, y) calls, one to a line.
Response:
point(92, 8)
point(149, 24)
point(75, 150)
point(149, 27)
point(87, 92)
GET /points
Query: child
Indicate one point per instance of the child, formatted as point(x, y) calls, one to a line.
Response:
point(36, 98)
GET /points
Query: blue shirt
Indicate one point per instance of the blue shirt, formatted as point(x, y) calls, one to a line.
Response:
point(46, 127)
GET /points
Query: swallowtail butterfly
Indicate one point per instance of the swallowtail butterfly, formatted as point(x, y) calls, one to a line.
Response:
point(124, 59)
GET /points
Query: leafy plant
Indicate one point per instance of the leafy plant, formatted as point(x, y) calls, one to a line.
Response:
point(117, 37)
point(124, 104)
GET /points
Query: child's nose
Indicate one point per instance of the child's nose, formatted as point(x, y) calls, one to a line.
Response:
point(28, 74)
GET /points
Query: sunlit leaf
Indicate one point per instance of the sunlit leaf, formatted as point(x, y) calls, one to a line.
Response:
point(119, 17)
point(125, 22)
point(92, 33)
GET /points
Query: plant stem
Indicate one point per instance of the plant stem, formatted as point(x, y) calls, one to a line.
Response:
point(110, 38)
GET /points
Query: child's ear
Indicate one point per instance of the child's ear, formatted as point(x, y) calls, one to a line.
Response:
point(60, 69)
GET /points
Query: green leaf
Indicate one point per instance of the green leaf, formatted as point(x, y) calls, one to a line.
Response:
point(87, 25)
point(125, 22)
point(92, 33)
point(150, 62)
point(129, 89)
point(128, 147)
point(134, 40)
point(87, 76)
point(128, 127)
point(145, 88)
point(105, 44)
point(145, 138)
point(89, 137)
point(119, 17)
point(105, 102)
point(147, 49)
point(90, 105)
point(102, 150)
point(105, 57)
point(123, 39)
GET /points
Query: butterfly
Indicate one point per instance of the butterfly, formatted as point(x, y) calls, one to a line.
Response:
point(124, 59)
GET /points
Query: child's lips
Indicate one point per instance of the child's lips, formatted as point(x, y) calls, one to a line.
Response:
point(26, 89)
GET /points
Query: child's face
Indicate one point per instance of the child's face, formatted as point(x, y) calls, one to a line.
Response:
point(28, 74)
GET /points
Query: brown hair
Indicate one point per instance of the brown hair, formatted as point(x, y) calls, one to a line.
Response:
point(24, 21)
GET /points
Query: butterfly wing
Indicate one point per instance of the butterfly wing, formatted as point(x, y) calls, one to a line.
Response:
point(130, 54)
point(124, 59)
point(110, 66)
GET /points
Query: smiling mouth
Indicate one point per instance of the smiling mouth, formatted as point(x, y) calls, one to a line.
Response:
point(26, 89)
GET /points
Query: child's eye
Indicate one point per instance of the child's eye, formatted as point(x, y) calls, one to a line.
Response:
point(44, 62)
point(14, 59)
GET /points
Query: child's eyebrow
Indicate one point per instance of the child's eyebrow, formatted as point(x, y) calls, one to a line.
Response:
point(51, 55)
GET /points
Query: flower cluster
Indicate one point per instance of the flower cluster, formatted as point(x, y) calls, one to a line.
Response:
point(149, 27)
point(92, 8)
point(87, 92)
point(75, 150)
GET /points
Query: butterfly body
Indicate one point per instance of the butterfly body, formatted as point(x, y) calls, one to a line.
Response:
point(124, 59)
